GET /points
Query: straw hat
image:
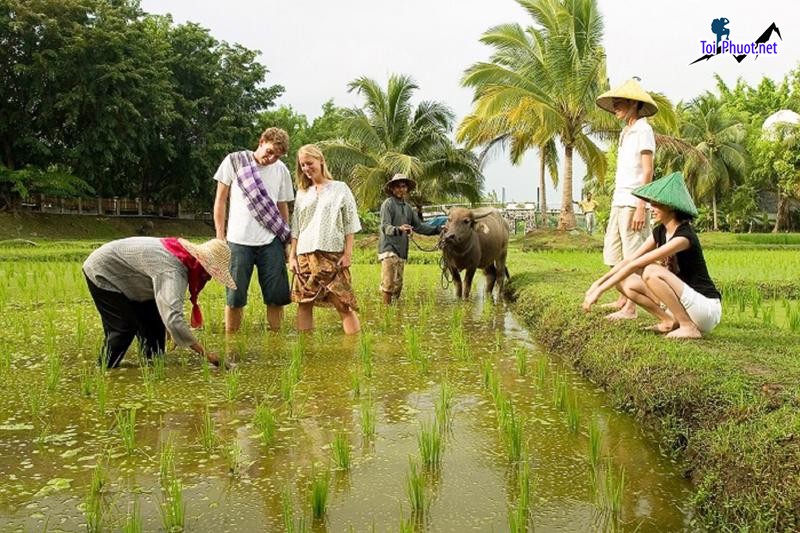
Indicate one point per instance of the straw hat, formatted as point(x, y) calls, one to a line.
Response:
point(398, 178)
point(630, 90)
point(215, 256)
point(670, 191)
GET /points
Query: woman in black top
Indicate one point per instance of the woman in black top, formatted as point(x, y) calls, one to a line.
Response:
point(673, 269)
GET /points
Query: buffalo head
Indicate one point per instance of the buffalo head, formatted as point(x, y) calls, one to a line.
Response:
point(461, 226)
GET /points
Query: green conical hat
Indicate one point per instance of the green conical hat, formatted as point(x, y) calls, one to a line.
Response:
point(670, 191)
point(630, 90)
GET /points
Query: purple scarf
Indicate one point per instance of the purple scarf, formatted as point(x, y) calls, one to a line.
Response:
point(259, 202)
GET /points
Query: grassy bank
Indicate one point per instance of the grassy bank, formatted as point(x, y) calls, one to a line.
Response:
point(726, 405)
point(42, 226)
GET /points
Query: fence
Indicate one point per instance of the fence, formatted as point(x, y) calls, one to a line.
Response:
point(116, 206)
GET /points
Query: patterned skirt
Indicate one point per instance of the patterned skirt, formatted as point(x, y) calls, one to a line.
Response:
point(321, 281)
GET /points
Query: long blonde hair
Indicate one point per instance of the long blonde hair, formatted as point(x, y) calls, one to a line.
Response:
point(312, 150)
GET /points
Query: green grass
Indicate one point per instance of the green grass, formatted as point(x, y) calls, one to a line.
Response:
point(729, 397)
point(172, 507)
point(416, 489)
point(126, 426)
point(320, 493)
point(430, 444)
point(207, 432)
point(265, 421)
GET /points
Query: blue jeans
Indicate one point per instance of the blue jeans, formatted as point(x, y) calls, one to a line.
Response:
point(272, 275)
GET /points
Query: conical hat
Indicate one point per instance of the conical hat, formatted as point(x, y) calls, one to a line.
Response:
point(215, 256)
point(630, 90)
point(670, 191)
point(398, 178)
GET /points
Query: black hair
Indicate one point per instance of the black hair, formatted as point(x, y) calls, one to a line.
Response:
point(682, 216)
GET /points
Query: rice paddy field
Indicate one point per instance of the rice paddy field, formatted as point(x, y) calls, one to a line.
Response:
point(440, 416)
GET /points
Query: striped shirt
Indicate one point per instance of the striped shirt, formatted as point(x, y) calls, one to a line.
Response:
point(142, 269)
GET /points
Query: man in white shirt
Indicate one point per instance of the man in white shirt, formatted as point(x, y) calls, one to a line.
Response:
point(629, 221)
point(252, 242)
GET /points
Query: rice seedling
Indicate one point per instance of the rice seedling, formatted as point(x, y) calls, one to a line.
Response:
point(407, 525)
point(523, 472)
point(340, 450)
point(320, 487)
point(459, 344)
point(443, 406)
point(93, 507)
point(53, 370)
point(413, 349)
point(518, 519)
point(513, 429)
point(86, 380)
point(38, 399)
point(365, 343)
point(5, 360)
point(287, 507)
point(595, 444)
point(368, 417)
point(355, 383)
point(126, 425)
point(388, 322)
point(522, 361)
point(415, 489)
point(573, 415)
point(205, 368)
point(207, 432)
point(266, 422)
point(172, 507)
point(100, 388)
point(166, 461)
point(430, 443)
point(148, 379)
point(133, 520)
point(232, 384)
point(457, 318)
point(612, 489)
point(793, 318)
point(232, 452)
point(159, 367)
point(541, 371)
point(560, 391)
point(289, 380)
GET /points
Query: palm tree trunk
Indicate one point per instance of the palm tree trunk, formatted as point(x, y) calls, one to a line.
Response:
point(542, 190)
point(714, 208)
point(781, 214)
point(566, 221)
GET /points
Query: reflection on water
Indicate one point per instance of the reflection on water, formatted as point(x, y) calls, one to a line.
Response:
point(474, 488)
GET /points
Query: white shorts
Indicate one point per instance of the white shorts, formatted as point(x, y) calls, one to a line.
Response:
point(704, 312)
point(621, 241)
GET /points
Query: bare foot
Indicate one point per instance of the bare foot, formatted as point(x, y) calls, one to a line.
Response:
point(621, 315)
point(615, 306)
point(662, 327)
point(685, 332)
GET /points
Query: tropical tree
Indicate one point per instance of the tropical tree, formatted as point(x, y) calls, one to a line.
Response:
point(548, 74)
point(777, 161)
point(388, 135)
point(720, 160)
point(517, 132)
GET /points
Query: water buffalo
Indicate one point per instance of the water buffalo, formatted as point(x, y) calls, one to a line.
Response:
point(472, 239)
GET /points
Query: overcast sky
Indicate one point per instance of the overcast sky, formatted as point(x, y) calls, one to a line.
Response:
point(315, 47)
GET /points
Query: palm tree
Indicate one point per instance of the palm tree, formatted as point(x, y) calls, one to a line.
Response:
point(717, 138)
point(389, 135)
point(549, 74)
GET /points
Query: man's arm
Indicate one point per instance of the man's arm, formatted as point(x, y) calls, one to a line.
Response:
point(283, 208)
point(386, 217)
point(638, 221)
point(220, 208)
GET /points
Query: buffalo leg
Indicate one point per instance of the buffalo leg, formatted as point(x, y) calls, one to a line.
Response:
point(491, 277)
point(457, 282)
point(468, 281)
point(501, 274)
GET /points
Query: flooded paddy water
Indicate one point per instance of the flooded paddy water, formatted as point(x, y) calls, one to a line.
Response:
point(442, 416)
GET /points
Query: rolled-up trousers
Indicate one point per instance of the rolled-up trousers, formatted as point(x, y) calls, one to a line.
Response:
point(123, 319)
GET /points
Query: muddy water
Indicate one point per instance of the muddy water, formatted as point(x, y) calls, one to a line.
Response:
point(46, 461)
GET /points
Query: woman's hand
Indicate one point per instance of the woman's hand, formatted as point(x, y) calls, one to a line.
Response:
point(293, 266)
point(591, 298)
point(345, 260)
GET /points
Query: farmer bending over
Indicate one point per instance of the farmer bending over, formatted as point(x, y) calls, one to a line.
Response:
point(139, 284)
point(398, 221)
point(675, 272)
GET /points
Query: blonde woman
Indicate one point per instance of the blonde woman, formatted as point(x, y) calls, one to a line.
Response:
point(324, 222)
